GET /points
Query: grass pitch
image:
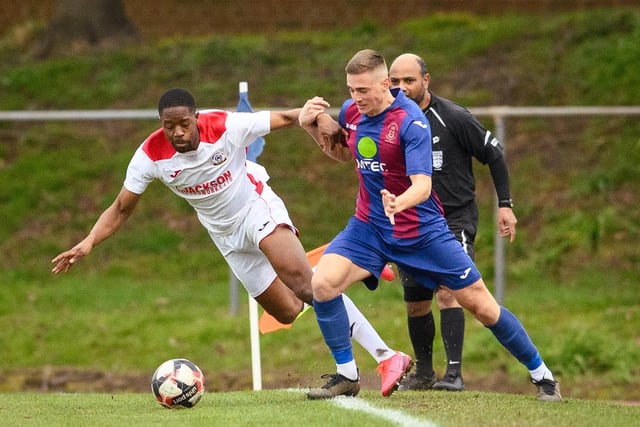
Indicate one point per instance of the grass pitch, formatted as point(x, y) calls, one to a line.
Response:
point(290, 407)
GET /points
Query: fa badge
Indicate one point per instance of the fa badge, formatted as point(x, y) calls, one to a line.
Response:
point(437, 160)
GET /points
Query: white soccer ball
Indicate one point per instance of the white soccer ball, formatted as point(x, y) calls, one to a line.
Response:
point(178, 383)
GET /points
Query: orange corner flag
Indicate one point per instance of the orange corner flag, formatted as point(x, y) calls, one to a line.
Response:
point(267, 323)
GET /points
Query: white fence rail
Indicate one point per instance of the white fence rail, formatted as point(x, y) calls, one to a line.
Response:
point(499, 114)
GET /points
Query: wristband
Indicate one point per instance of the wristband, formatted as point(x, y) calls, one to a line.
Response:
point(506, 203)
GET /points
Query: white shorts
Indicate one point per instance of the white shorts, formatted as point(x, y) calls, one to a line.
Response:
point(241, 248)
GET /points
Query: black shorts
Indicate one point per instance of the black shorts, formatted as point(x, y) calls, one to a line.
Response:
point(463, 223)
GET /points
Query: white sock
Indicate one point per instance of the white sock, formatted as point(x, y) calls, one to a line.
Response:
point(541, 373)
point(349, 370)
point(363, 333)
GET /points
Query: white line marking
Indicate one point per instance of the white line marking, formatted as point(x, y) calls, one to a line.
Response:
point(395, 416)
point(357, 404)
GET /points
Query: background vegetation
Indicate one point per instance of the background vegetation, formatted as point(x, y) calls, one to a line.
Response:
point(159, 290)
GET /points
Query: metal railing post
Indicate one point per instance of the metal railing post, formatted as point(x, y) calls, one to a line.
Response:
point(498, 258)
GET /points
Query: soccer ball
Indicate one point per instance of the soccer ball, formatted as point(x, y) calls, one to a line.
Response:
point(178, 383)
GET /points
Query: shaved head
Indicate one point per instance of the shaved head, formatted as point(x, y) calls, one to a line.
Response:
point(408, 60)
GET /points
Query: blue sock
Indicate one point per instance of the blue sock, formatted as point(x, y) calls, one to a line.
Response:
point(511, 334)
point(334, 325)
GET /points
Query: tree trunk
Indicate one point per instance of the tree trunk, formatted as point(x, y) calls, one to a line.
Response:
point(82, 25)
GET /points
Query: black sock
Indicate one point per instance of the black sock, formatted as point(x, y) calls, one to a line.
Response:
point(422, 332)
point(452, 327)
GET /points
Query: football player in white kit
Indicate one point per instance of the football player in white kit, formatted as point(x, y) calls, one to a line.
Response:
point(201, 157)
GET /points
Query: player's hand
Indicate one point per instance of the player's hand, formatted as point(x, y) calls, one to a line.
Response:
point(311, 109)
point(389, 203)
point(507, 223)
point(331, 132)
point(64, 261)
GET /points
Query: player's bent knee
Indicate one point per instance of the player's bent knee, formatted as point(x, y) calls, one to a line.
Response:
point(305, 295)
point(284, 310)
point(418, 308)
point(446, 299)
point(477, 299)
point(280, 301)
point(323, 289)
point(286, 317)
point(300, 283)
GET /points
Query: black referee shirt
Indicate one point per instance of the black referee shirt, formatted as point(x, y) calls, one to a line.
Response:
point(457, 136)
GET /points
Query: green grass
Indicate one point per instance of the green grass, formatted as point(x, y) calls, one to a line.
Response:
point(158, 289)
point(276, 408)
point(129, 324)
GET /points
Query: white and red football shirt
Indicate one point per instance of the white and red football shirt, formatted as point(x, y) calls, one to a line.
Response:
point(214, 177)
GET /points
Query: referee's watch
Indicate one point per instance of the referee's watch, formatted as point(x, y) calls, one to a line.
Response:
point(505, 203)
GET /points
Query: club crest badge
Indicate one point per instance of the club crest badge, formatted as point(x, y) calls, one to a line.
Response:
point(218, 158)
point(392, 133)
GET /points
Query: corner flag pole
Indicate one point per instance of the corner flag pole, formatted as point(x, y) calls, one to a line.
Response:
point(256, 367)
point(254, 150)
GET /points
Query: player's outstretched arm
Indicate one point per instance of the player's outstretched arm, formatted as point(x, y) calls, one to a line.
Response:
point(108, 223)
point(284, 119)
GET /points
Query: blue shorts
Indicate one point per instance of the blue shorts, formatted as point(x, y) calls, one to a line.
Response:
point(435, 259)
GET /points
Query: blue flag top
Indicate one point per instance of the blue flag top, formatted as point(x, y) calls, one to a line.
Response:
point(256, 147)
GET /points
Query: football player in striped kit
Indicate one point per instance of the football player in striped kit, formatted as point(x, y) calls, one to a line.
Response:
point(397, 219)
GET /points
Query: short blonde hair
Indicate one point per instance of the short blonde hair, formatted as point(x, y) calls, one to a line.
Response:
point(364, 61)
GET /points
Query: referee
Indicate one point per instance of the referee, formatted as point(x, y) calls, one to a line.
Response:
point(457, 137)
